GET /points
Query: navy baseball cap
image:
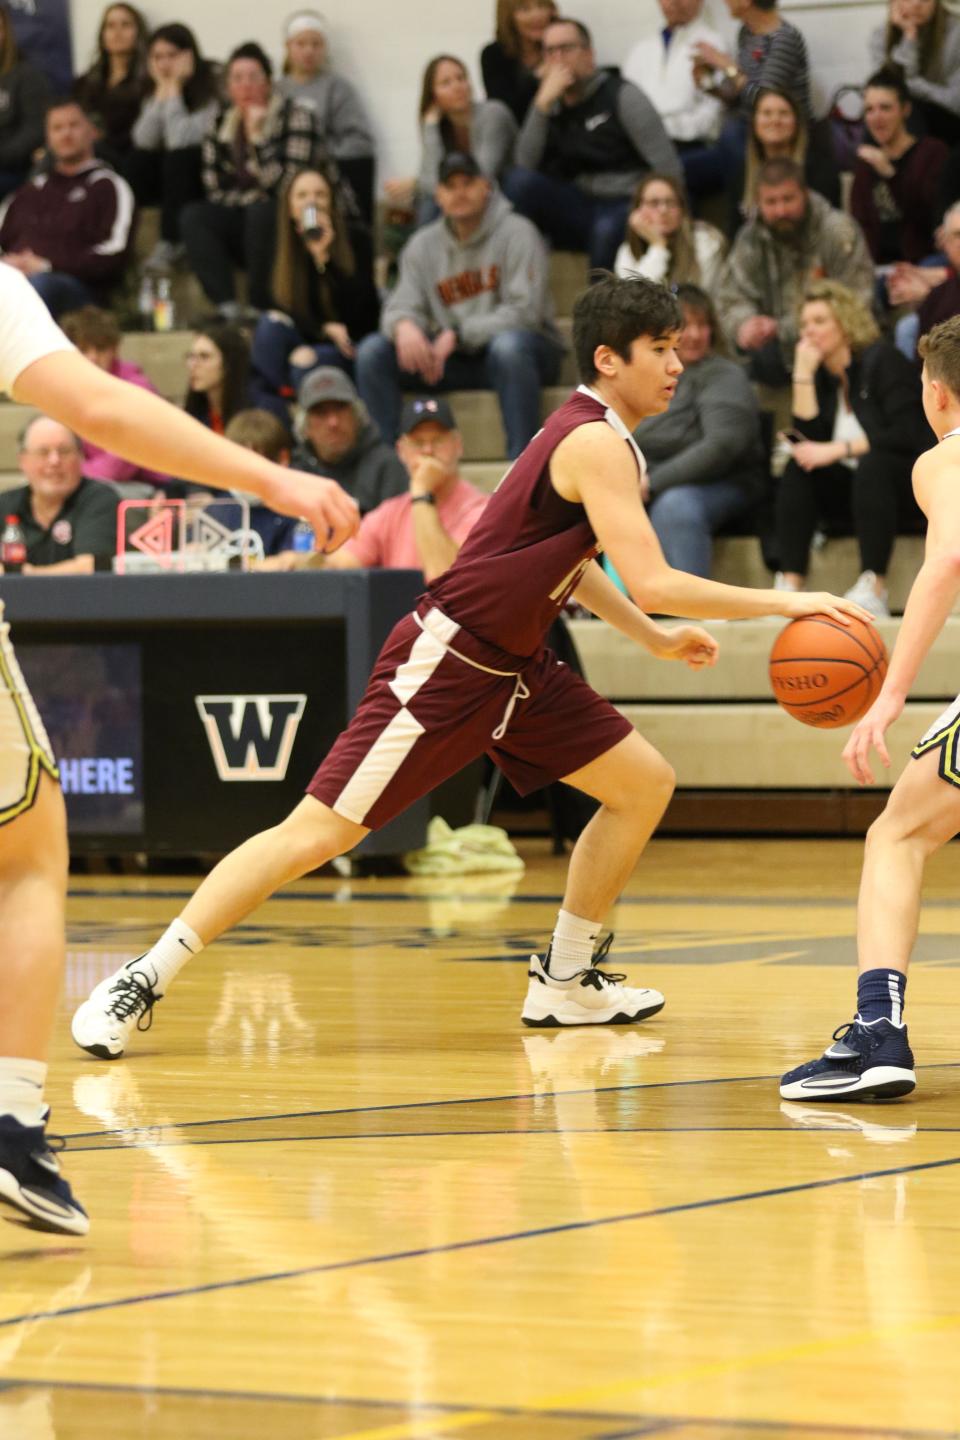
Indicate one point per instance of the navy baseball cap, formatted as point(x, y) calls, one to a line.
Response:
point(457, 162)
point(426, 407)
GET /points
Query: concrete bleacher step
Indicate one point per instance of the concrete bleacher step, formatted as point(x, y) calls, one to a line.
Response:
point(737, 560)
point(485, 474)
point(569, 274)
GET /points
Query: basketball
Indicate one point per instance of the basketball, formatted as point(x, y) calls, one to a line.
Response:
point(825, 673)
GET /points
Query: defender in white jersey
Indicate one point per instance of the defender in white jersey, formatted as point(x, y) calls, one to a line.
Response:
point(40, 367)
point(870, 1058)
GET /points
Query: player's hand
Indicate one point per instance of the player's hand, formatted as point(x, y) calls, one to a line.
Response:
point(695, 647)
point(330, 510)
point(869, 733)
point(797, 603)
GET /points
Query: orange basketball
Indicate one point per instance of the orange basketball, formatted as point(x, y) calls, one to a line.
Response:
point(825, 673)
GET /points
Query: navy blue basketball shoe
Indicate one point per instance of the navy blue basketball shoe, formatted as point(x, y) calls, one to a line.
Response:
point(865, 1062)
point(31, 1182)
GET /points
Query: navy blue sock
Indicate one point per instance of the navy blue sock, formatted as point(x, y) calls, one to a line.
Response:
point(880, 995)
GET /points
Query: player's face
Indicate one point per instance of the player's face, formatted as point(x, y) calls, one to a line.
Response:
point(51, 461)
point(935, 402)
point(307, 52)
point(331, 429)
point(645, 384)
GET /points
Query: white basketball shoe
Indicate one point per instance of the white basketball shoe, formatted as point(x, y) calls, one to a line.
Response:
point(117, 1007)
point(591, 997)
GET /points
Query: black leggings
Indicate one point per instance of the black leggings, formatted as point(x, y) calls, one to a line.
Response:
point(168, 178)
point(875, 500)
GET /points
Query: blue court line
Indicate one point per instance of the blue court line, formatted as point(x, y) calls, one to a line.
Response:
point(453, 1247)
point(482, 1134)
point(648, 1425)
point(466, 1100)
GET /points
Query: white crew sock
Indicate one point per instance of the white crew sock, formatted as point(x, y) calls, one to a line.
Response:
point(21, 1090)
point(176, 946)
point(571, 948)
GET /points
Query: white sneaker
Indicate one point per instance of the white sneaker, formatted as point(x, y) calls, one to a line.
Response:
point(117, 1007)
point(590, 997)
point(865, 594)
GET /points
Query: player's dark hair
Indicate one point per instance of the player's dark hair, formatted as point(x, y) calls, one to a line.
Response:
point(939, 350)
point(616, 312)
point(780, 172)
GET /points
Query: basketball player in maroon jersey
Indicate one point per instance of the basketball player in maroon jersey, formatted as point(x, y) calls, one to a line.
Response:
point(467, 673)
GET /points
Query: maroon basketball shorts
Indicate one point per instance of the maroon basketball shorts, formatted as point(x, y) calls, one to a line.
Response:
point(437, 699)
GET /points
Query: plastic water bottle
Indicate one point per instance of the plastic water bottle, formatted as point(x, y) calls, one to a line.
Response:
point(163, 316)
point(13, 545)
point(145, 303)
point(303, 540)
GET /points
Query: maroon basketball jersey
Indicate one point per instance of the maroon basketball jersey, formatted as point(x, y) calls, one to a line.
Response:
point(527, 553)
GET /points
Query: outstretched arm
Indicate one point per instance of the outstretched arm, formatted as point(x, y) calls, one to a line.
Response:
point(141, 427)
point(678, 642)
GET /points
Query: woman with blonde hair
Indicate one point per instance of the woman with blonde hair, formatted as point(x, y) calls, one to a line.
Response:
point(922, 38)
point(858, 427)
point(512, 64)
point(24, 94)
point(663, 243)
point(321, 286)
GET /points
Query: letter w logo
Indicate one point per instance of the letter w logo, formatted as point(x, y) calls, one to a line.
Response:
point(251, 736)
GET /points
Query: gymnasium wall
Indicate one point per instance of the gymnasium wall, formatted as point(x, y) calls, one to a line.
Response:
point(383, 44)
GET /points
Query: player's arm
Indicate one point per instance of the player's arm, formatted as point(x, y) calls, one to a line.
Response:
point(932, 597)
point(131, 422)
point(598, 593)
point(594, 467)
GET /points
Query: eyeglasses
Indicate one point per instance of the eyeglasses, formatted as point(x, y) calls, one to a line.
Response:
point(666, 204)
point(565, 49)
point(43, 452)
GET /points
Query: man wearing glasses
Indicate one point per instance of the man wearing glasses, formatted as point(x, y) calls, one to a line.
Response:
point(589, 137)
point(69, 523)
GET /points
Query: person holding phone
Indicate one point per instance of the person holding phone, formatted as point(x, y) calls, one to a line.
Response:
point(322, 288)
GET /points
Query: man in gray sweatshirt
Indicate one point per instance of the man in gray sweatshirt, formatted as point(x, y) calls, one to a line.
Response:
point(339, 440)
point(471, 311)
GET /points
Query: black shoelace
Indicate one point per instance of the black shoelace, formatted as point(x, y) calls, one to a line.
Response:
point(133, 999)
point(596, 977)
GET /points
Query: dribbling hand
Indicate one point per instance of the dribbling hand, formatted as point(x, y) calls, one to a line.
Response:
point(870, 734)
point(794, 604)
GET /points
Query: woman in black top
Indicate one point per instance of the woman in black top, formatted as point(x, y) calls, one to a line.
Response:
point(511, 64)
point(112, 89)
point(322, 287)
point(24, 93)
point(858, 427)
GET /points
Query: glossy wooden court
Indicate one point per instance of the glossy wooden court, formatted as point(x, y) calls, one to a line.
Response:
point(338, 1190)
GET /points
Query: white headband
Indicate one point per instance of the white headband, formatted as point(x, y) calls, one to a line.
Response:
point(304, 20)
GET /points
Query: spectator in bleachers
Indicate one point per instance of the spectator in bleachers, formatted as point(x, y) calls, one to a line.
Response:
point(512, 64)
point(97, 335)
point(704, 455)
point(795, 237)
point(424, 527)
point(340, 440)
point(922, 38)
point(68, 230)
point(69, 523)
point(779, 130)
point(662, 66)
point(896, 182)
point(471, 310)
point(266, 435)
point(663, 243)
point(856, 402)
point(588, 139)
point(342, 118)
point(321, 285)
point(258, 139)
point(453, 122)
point(770, 54)
point(24, 96)
point(939, 300)
point(111, 91)
point(219, 382)
point(179, 105)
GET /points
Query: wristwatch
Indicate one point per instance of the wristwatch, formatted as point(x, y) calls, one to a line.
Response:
point(427, 499)
point(731, 71)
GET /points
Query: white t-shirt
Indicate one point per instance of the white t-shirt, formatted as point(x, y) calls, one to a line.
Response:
point(28, 331)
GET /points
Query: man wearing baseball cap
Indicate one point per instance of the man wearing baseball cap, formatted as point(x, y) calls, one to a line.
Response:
point(471, 310)
point(338, 439)
point(423, 528)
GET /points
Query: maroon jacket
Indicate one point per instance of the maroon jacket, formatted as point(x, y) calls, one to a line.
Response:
point(899, 215)
point(81, 223)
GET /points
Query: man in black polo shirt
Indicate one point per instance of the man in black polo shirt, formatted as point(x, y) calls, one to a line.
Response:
point(588, 138)
point(69, 523)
